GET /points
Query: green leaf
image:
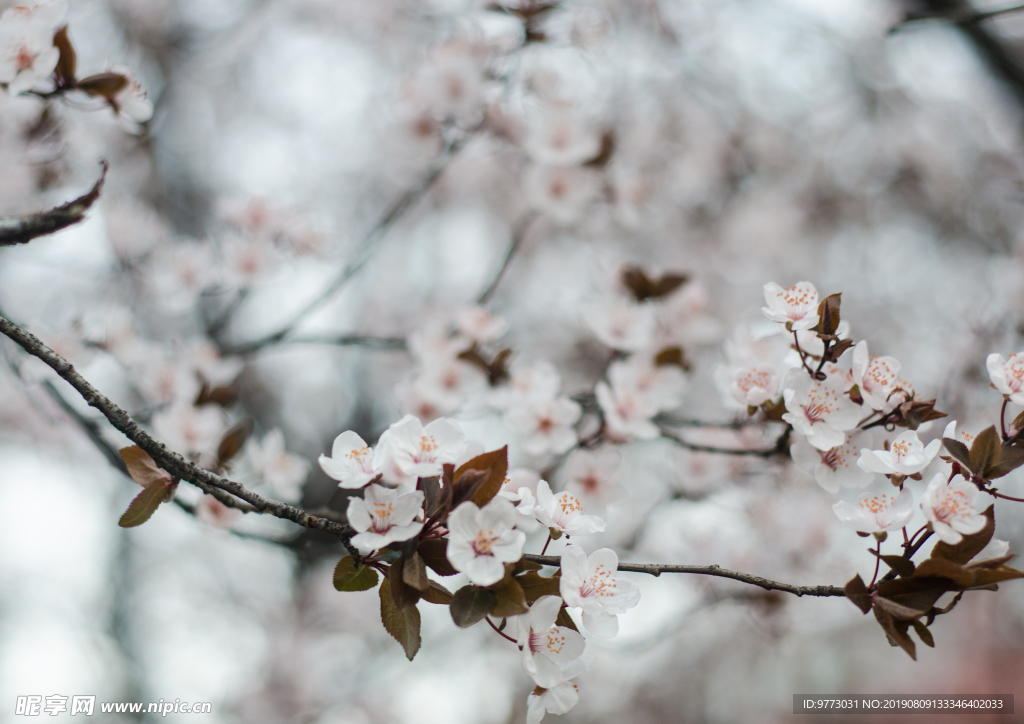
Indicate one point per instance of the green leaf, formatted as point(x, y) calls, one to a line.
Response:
point(414, 573)
point(404, 626)
point(435, 555)
point(350, 577)
point(924, 634)
point(857, 592)
point(470, 605)
point(436, 593)
point(985, 451)
point(145, 503)
point(971, 545)
point(509, 599)
point(534, 585)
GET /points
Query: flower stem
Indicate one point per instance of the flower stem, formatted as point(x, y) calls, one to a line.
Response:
point(1002, 417)
point(878, 562)
point(499, 631)
point(545, 548)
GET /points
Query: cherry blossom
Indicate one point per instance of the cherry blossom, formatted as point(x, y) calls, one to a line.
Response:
point(130, 102)
point(482, 540)
point(559, 699)
point(949, 507)
point(526, 505)
point(350, 462)
point(528, 382)
point(545, 425)
point(875, 377)
point(1007, 375)
point(877, 512)
point(623, 325)
point(280, 469)
point(950, 433)
point(408, 449)
point(592, 475)
point(187, 429)
point(561, 137)
point(905, 456)
point(627, 412)
point(836, 467)
point(564, 512)
point(561, 192)
point(591, 584)
point(546, 648)
point(27, 53)
point(383, 516)
point(819, 409)
point(796, 307)
point(755, 385)
point(479, 325)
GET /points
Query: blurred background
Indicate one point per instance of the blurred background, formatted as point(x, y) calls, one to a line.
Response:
point(327, 187)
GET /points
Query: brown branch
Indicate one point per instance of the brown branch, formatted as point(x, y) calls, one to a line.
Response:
point(345, 340)
point(717, 571)
point(517, 239)
point(226, 491)
point(779, 448)
point(21, 230)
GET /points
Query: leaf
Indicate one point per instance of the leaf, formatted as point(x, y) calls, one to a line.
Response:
point(523, 565)
point(414, 573)
point(924, 634)
point(857, 592)
point(65, 69)
point(436, 593)
point(990, 576)
point(223, 395)
point(898, 611)
point(564, 619)
point(510, 600)
point(107, 85)
point(404, 596)
point(644, 288)
point(671, 356)
point(971, 545)
point(431, 488)
point(896, 631)
point(828, 314)
point(435, 555)
point(404, 626)
point(1010, 458)
point(495, 465)
point(470, 605)
point(141, 467)
point(901, 565)
point(944, 568)
point(985, 451)
point(145, 503)
point(350, 577)
point(534, 585)
point(837, 350)
point(958, 451)
point(466, 485)
point(915, 593)
point(233, 441)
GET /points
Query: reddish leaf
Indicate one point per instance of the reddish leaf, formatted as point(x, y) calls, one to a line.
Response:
point(414, 573)
point(985, 451)
point(435, 555)
point(971, 545)
point(857, 592)
point(141, 467)
point(470, 605)
point(896, 632)
point(436, 593)
point(233, 441)
point(495, 465)
point(403, 625)
point(145, 503)
point(510, 600)
point(534, 586)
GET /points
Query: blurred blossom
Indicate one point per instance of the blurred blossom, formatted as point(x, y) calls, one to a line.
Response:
point(562, 192)
point(949, 505)
point(281, 470)
point(877, 513)
point(190, 430)
point(27, 53)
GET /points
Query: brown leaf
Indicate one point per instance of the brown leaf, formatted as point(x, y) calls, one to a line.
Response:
point(431, 488)
point(1010, 458)
point(837, 349)
point(435, 555)
point(403, 625)
point(233, 441)
point(916, 592)
point(985, 451)
point(958, 451)
point(644, 288)
point(466, 485)
point(671, 356)
point(986, 577)
point(106, 85)
point(145, 503)
point(564, 619)
point(414, 573)
point(510, 600)
point(350, 577)
point(470, 605)
point(971, 545)
point(403, 596)
point(857, 592)
point(944, 568)
point(898, 611)
point(828, 314)
point(495, 465)
point(924, 634)
point(896, 632)
point(901, 565)
point(141, 467)
point(65, 69)
point(436, 593)
point(534, 586)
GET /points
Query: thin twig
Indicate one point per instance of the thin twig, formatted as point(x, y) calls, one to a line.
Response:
point(517, 239)
point(657, 570)
point(345, 340)
point(25, 228)
point(366, 249)
point(167, 459)
point(778, 448)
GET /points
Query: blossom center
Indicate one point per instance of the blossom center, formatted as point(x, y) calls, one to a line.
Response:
point(427, 449)
point(381, 516)
point(601, 583)
point(952, 504)
point(484, 542)
point(899, 450)
point(551, 642)
point(877, 503)
point(24, 58)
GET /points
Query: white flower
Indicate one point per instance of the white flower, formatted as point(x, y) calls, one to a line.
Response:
point(623, 325)
point(280, 469)
point(755, 385)
point(559, 699)
point(449, 382)
point(592, 474)
point(836, 467)
point(351, 461)
point(562, 192)
point(27, 53)
point(905, 456)
point(479, 325)
point(627, 413)
point(819, 409)
point(875, 377)
point(591, 584)
point(564, 512)
point(538, 381)
point(965, 437)
point(547, 647)
point(812, 344)
point(190, 430)
point(526, 506)
point(875, 513)
point(383, 516)
point(545, 425)
point(795, 306)
point(561, 137)
point(481, 540)
point(1007, 375)
point(130, 102)
point(414, 451)
point(949, 507)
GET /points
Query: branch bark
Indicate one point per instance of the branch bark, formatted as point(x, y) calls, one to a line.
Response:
point(23, 229)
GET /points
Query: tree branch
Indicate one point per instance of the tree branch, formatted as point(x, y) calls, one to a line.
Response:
point(778, 449)
point(25, 228)
point(345, 340)
point(657, 570)
point(517, 239)
point(222, 488)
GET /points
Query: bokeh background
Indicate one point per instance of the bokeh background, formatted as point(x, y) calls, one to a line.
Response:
point(400, 146)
